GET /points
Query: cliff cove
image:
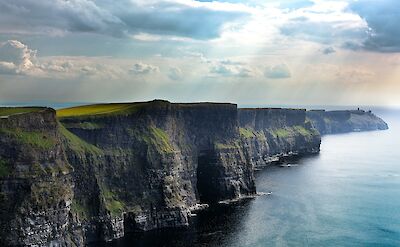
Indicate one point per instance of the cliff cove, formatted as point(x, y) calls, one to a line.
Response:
point(94, 173)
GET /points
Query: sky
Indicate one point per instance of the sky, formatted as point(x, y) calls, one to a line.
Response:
point(276, 52)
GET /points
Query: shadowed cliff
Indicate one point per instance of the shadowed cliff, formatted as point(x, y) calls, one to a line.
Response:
point(96, 172)
point(271, 133)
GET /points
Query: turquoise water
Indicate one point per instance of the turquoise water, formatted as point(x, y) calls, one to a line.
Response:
point(348, 195)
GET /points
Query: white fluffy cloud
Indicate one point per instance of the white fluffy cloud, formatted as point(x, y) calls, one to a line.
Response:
point(231, 68)
point(16, 58)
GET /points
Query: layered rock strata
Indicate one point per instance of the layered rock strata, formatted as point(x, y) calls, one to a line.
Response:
point(97, 172)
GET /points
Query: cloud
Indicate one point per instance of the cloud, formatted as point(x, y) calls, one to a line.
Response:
point(328, 50)
point(56, 16)
point(8, 68)
point(175, 74)
point(325, 22)
point(144, 69)
point(320, 31)
point(122, 18)
point(231, 62)
point(230, 68)
point(351, 45)
point(383, 19)
point(279, 71)
point(16, 58)
point(295, 4)
point(58, 66)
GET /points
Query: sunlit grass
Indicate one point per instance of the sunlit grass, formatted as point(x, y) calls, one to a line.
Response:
point(8, 111)
point(98, 109)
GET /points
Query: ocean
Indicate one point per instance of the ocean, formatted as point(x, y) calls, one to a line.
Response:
point(348, 195)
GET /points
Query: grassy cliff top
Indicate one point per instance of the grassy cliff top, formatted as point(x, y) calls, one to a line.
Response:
point(98, 109)
point(126, 108)
point(9, 111)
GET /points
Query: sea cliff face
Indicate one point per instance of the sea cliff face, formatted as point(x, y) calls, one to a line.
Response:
point(36, 188)
point(333, 122)
point(95, 173)
point(268, 134)
point(153, 164)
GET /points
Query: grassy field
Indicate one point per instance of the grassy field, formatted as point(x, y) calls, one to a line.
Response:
point(8, 111)
point(98, 109)
point(33, 138)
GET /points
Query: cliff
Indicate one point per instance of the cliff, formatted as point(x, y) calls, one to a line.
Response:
point(332, 122)
point(96, 172)
point(36, 187)
point(156, 161)
point(270, 133)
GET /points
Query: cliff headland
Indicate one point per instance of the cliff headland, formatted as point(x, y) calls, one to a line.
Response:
point(93, 173)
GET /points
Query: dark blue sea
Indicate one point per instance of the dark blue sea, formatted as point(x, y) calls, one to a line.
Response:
point(348, 195)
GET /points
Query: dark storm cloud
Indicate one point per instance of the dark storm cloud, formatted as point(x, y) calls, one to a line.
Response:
point(115, 18)
point(383, 17)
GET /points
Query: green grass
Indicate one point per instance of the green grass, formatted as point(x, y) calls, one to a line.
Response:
point(112, 203)
point(159, 139)
point(247, 133)
point(8, 111)
point(292, 131)
point(99, 109)
point(282, 133)
point(4, 169)
point(33, 138)
point(303, 131)
point(79, 209)
point(76, 143)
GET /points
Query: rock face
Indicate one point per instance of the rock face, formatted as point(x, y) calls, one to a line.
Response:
point(91, 177)
point(36, 188)
point(151, 165)
point(270, 133)
point(333, 122)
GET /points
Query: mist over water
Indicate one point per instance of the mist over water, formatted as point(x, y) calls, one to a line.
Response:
point(348, 195)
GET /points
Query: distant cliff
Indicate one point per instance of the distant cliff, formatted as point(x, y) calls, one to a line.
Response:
point(96, 172)
point(332, 122)
point(270, 133)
